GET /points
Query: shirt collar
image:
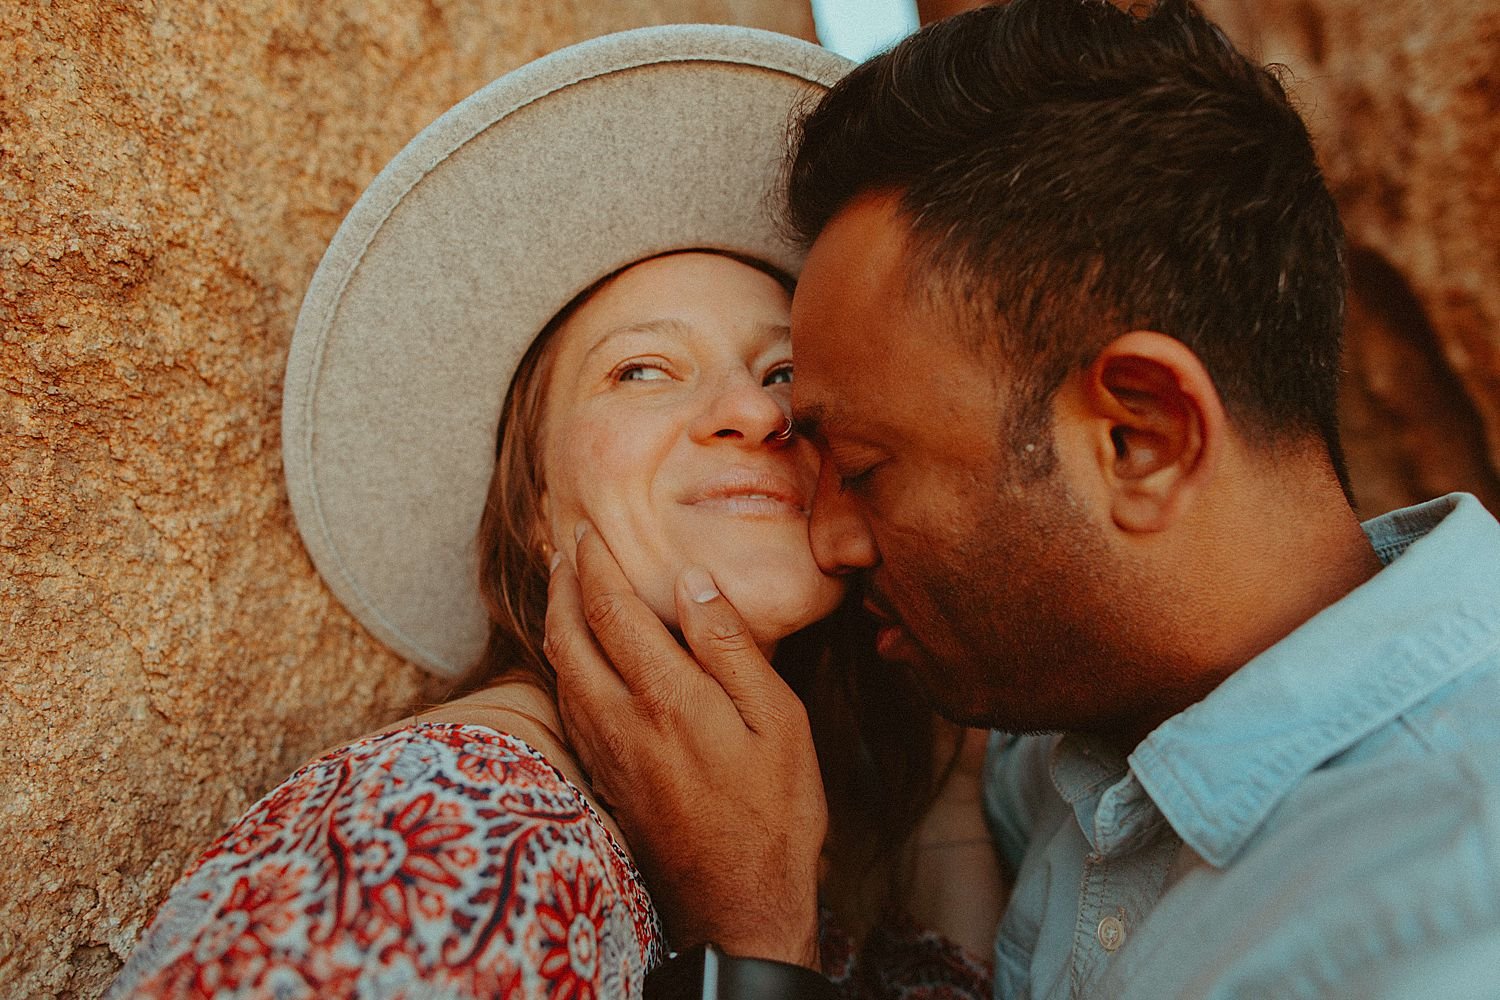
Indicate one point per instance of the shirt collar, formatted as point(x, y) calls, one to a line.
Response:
point(1111, 806)
point(1216, 770)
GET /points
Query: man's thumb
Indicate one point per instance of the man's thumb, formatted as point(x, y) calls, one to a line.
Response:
point(722, 644)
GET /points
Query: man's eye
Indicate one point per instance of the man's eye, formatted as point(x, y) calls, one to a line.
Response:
point(856, 483)
point(638, 371)
point(781, 375)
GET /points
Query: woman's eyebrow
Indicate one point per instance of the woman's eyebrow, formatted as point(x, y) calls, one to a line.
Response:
point(668, 327)
point(764, 336)
point(765, 333)
point(768, 332)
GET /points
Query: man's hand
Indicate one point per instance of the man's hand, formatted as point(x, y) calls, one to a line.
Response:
point(704, 759)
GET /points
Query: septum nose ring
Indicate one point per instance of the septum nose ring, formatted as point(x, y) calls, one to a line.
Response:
point(784, 434)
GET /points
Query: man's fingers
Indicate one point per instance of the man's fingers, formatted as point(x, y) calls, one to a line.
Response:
point(568, 644)
point(723, 646)
point(590, 695)
point(633, 639)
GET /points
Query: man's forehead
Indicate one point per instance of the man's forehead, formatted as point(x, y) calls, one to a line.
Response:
point(863, 247)
point(856, 270)
point(837, 282)
point(847, 406)
point(870, 355)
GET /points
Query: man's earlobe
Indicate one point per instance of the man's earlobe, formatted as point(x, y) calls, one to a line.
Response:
point(1152, 399)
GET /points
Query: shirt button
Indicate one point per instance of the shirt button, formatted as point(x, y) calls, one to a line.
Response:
point(1111, 933)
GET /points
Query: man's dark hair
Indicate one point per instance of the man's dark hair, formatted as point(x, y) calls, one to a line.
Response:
point(1070, 171)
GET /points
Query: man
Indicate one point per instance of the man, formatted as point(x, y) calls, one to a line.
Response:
point(1068, 337)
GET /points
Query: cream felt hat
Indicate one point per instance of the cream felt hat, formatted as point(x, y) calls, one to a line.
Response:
point(462, 249)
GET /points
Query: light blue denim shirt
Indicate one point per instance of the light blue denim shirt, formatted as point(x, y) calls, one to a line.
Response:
point(1326, 823)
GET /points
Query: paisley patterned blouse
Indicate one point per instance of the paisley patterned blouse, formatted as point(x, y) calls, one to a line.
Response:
point(447, 861)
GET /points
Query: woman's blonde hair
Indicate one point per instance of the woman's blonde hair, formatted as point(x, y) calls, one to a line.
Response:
point(512, 552)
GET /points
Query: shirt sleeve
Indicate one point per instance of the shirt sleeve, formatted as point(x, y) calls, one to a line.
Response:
point(1465, 968)
point(437, 860)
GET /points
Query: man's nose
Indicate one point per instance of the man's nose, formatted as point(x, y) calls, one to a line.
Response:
point(841, 538)
point(742, 410)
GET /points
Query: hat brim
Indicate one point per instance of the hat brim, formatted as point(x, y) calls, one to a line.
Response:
point(462, 249)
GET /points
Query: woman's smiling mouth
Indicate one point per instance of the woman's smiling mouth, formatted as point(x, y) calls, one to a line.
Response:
point(742, 491)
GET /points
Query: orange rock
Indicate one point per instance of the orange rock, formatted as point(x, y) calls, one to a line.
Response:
point(169, 176)
point(1404, 103)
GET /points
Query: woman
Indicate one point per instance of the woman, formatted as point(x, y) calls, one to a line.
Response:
point(460, 853)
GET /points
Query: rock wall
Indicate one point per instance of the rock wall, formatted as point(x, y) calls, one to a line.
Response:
point(1404, 102)
point(169, 176)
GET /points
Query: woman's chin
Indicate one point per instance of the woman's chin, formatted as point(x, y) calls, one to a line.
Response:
point(768, 623)
point(773, 613)
point(774, 598)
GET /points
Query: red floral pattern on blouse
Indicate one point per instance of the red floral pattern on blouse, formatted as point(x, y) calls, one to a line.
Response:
point(441, 861)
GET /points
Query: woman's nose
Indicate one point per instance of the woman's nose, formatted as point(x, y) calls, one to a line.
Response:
point(743, 411)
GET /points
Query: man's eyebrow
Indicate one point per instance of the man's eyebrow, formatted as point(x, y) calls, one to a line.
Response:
point(811, 421)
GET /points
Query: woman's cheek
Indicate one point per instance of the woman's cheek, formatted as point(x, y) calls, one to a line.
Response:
point(578, 454)
point(611, 445)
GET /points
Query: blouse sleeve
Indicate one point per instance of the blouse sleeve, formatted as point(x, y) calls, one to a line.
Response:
point(433, 861)
point(900, 961)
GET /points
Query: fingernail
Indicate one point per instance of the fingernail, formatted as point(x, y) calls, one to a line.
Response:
point(579, 530)
point(700, 586)
point(552, 563)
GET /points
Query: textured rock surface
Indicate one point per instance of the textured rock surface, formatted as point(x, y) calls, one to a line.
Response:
point(169, 175)
point(1404, 101)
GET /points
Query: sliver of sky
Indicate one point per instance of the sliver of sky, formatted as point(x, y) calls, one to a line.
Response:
point(860, 28)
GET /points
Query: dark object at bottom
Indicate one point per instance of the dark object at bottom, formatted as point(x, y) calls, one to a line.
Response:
point(706, 973)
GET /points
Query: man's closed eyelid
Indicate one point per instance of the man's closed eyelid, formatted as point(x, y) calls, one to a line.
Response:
point(851, 455)
point(855, 482)
point(855, 476)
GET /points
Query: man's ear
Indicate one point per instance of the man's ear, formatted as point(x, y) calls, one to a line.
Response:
point(1157, 425)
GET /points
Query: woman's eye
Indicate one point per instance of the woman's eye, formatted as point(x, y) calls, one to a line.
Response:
point(779, 376)
point(640, 372)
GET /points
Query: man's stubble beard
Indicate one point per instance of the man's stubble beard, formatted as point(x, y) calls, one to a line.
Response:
point(1022, 628)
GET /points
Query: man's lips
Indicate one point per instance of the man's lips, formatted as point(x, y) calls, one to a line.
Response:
point(748, 491)
point(876, 610)
point(892, 641)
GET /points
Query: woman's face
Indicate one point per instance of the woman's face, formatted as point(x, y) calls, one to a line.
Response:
point(661, 408)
